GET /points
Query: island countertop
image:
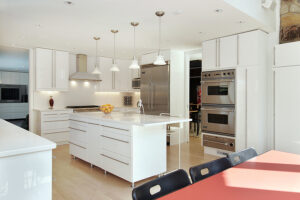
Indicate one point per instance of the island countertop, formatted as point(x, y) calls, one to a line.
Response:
point(15, 141)
point(131, 118)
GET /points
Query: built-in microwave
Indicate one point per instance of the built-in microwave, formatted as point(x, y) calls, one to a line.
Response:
point(218, 87)
point(13, 93)
point(136, 83)
point(218, 120)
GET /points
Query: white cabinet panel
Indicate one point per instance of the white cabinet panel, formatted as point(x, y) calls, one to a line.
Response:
point(287, 54)
point(287, 109)
point(209, 55)
point(228, 51)
point(44, 69)
point(62, 60)
point(123, 77)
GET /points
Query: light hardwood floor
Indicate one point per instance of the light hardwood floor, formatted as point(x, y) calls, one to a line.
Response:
point(76, 180)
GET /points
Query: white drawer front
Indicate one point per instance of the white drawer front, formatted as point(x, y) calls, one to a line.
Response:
point(120, 131)
point(78, 125)
point(57, 137)
point(55, 125)
point(78, 137)
point(116, 164)
point(78, 151)
point(116, 145)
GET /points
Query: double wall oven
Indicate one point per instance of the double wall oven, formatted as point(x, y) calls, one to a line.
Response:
point(218, 109)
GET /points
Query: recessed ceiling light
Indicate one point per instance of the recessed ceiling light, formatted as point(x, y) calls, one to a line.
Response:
point(69, 3)
point(218, 10)
point(241, 22)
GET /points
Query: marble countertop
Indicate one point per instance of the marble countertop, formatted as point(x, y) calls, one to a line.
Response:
point(131, 118)
point(15, 141)
point(54, 109)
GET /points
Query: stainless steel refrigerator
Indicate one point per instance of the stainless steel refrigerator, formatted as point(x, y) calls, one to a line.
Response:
point(155, 89)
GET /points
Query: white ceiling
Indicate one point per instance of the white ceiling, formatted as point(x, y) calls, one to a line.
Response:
point(14, 59)
point(53, 24)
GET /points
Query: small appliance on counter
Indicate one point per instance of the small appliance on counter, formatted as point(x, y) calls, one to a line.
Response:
point(87, 108)
point(127, 100)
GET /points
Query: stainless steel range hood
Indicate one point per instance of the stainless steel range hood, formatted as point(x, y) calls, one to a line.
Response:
point(81, 70)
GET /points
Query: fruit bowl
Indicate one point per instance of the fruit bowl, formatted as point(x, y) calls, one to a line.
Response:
point(107, 108)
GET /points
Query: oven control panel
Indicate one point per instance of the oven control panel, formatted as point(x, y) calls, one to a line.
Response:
point(220, 74)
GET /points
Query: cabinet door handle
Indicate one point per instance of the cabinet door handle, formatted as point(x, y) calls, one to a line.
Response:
point(77, 129)
point(115, 139)
point(114, 159)
point(115, 128)
point(57, 121)
point(77, 145)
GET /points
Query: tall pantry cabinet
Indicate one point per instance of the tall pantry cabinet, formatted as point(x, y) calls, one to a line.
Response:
point(287, 97)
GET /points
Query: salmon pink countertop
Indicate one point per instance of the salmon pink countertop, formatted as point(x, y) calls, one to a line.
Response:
point(271, 176)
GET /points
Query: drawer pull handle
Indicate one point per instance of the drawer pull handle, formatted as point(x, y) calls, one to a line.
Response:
point(83, 122)
point(114, 159)
point(77, 145)
point(114, 139)
point(57, 121)
point(55, 132)
point(77, 129)
point(115, 128)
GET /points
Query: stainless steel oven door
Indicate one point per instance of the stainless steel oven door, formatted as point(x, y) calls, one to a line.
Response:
point(218, 120)
point(218, 92)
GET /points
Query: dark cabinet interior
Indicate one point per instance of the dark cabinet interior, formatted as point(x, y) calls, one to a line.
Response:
point(195, 81)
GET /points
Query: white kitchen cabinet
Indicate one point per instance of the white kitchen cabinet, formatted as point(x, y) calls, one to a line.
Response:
point(209, 55)
point(14, 110)
point(52, 70)
point(14, 78)
point(54, 125)
point(44, 69)
point(61, 77)
point(287, 54)
point(287, 109)
point(252, 48)
point(123, 77)
point(106, 74)
point(228, 51)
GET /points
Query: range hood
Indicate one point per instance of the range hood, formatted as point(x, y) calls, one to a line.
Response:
point(81, 70)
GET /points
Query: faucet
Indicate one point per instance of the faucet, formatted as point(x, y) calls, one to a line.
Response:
point(141, 106)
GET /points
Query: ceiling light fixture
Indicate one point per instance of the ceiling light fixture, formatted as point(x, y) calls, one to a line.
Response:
point(218, 10)
point(97, 66)
point(69, 3)
point(114, 67)
point(135, 63)
point(159, 59)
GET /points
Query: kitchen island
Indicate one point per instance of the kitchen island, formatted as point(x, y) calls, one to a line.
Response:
point(131, 146)
point(25, 164)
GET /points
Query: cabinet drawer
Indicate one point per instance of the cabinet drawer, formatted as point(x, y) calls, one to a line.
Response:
point(117, 145)
point(78, 151)
point(119, 131)
point(219, 142)
point(80, 126)
point(78, 137)
point(53, 125)
point(116, 164)
point(57, 137)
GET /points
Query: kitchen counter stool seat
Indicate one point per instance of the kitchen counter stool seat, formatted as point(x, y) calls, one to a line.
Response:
point(161, 186)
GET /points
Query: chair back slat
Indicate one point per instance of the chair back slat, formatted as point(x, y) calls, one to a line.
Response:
point(161, 186)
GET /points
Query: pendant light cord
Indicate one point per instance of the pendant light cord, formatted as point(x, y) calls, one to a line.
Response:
point(96, 60)
point(134, 42)
point(114, 48)
point(159, 35)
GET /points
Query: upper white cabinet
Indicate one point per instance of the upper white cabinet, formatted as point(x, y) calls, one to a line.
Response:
point(106, 74)
point(14, 78)
point(228, 51)
point(209, 54)
point(287, 54)
point(52, 70)
point(245, 49)
point(252, 48)
point(44, 69)
point(61, 70)
point(123, 77)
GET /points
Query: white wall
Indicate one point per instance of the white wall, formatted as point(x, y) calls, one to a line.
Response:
point(254, 9)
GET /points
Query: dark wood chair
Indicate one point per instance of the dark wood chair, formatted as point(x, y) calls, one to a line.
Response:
point(206, 170)
point(242, 156)
point(161, 186)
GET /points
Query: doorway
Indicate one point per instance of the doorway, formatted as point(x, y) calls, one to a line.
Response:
point(14, 86)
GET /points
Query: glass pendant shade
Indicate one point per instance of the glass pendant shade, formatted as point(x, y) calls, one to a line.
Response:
point(114, 68)
point(159, 60)
point(134, 64)
point(97, 68)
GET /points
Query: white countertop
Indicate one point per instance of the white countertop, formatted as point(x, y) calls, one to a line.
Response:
point(54, 109)
point(132, 118)
point(15, 140)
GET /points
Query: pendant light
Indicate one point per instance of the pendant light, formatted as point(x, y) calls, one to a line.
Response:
point(135, 63)
point(97, 68)
point(114, 67)
point(159, 58)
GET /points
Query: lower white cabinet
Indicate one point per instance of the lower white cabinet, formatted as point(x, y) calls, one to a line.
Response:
point(14, 110)
point(54, 125)
point(130, 152)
